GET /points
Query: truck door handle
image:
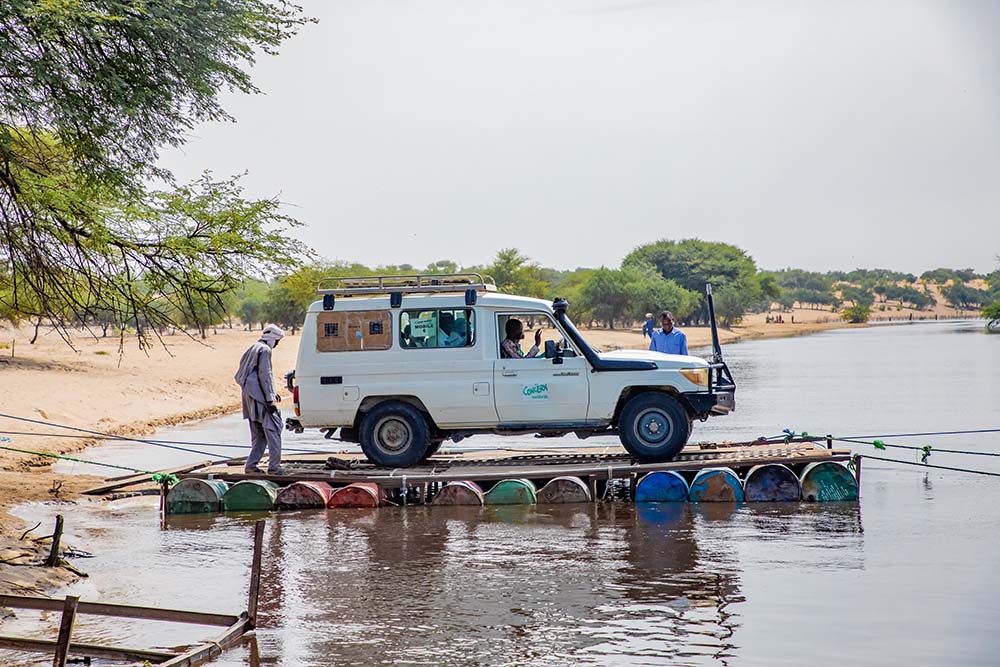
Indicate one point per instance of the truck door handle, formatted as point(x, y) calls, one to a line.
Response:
point(509, 374)
point(565, 373)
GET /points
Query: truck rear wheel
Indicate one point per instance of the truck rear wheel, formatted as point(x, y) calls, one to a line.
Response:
point(654, 427)
point(394, 435)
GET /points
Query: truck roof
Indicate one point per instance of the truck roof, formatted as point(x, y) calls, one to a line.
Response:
point(493, 300)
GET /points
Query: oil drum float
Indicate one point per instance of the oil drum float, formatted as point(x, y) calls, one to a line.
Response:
point(564, 490)
point(303, 495)
point(828, 481)
point(511, 492)
point(716, 485)
point(196, 496)
point(359, 494)
point(770, 483)
point(662, 486)
point(460, 492)
point(250, 495)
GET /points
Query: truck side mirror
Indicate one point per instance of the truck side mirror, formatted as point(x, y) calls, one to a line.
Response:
point(553, 352)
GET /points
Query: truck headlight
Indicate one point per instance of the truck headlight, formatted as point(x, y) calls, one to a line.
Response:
point(698, 376)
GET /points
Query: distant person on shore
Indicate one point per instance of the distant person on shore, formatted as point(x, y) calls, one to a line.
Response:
point(256, 380)
point(648, 326)
point(668, 338)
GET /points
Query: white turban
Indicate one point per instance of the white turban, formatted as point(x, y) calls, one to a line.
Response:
point(271, 334)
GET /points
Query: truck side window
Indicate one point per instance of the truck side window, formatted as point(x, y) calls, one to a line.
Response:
point(353, 330)
point(421, 329)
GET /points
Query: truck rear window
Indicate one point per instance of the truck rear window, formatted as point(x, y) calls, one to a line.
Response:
point(421, 329)
point(353, 331)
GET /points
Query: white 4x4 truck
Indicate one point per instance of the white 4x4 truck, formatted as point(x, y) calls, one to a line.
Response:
point(402, 363)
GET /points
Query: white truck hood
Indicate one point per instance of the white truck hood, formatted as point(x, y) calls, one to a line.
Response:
point(662, 360)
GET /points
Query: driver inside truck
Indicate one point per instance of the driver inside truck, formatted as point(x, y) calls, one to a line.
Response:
point(510, 348)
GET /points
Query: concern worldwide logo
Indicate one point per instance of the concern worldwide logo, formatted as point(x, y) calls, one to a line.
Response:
point(536, 391)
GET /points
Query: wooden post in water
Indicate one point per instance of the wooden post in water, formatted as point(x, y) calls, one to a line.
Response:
point(258, 548)
point(53, 559)
point(857, 471)
point(65, 630)
point(829, 441)
point(164, 505)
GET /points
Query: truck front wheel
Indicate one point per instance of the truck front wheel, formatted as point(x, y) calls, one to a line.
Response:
point(654, 427)
point(394, 435)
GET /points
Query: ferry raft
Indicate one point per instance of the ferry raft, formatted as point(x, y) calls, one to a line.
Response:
point(758, 471)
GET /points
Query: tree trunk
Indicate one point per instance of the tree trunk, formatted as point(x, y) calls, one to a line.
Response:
point(34, 337)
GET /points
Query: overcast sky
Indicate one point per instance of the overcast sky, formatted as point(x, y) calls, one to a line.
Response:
point(822, 134)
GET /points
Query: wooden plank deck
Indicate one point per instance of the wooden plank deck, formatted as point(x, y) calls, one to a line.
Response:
point(600, 462)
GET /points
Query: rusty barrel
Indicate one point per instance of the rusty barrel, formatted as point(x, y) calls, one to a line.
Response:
point(772, 482)
point(716, 485)
point(460, 492)
point(250, 495)
point(303, 495)
point(358, 494)
point(511, 492)
point(662, 486)
point(196, 496)
point(564, 490)
point(828, 481)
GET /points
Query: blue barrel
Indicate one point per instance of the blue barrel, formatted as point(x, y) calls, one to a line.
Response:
point(771, 483)
point(662, 486)
point(716, 485)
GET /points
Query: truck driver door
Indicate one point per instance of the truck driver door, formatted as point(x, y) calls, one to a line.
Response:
point(536, 390)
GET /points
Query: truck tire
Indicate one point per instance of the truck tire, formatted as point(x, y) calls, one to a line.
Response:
point(432, 449)
point(654, 427)
point(394, 435)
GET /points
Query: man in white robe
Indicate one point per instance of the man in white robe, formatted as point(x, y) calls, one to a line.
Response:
point(256, 379)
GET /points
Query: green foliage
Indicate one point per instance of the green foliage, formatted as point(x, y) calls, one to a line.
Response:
point(962, 296)
point(90, 91)
point(692, 263)
point(856, 314)
point(791, 279)
point(605, 294)
point(904, 294)
point(812, 298)
point(615, 295)
point(514, 273)
point(857, 295)
point(943, 276)
point(871, 277)
point(992, 311)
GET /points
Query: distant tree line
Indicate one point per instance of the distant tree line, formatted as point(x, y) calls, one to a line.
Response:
point(665, 274)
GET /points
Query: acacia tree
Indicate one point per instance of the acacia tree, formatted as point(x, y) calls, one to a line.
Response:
point(90, 91)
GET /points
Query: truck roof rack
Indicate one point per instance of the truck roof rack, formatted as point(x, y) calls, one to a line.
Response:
point(406, 284)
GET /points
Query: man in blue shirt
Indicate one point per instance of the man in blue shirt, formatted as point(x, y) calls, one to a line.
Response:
point(668, 339)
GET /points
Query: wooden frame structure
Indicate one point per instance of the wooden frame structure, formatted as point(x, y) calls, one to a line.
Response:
point(63, 647)
point(592, 464)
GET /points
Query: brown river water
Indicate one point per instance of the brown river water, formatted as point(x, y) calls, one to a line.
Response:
point(911, 575)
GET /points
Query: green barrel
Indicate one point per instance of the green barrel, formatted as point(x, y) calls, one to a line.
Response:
point(828, 481)
point(250, 495)
point(511, 492)
point(564, 490)
point(196, 496)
